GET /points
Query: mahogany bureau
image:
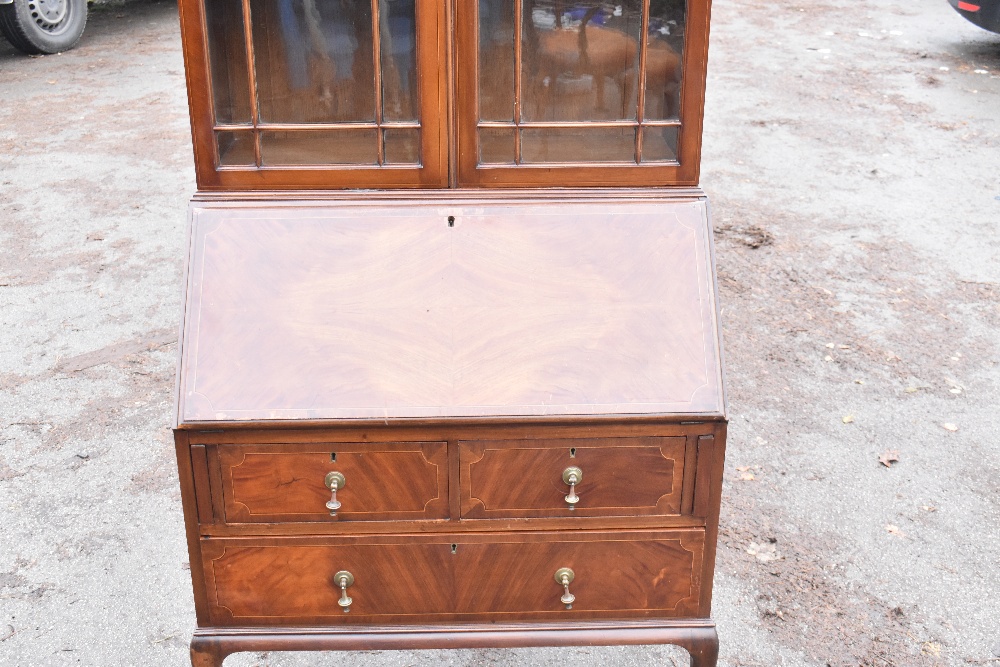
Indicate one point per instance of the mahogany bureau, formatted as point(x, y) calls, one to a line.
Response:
point(450, 373)
point(525, 435)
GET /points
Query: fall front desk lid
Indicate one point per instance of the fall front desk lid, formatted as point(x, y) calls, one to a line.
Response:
point(448, 309)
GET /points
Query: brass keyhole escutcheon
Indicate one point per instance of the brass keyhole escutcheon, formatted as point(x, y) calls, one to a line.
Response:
point(564, 577)
point(572, 476)
point(334, 481)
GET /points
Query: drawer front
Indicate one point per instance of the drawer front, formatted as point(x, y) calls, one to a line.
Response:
point(626, 574)
point(472, 577)
point(255, 582)
point(382, 481)
point(619, 477)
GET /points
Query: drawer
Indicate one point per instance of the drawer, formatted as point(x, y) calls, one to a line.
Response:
point(287, 483)
point(527, 478)
point(261, 582)
point(632, 574)
point(421, 578)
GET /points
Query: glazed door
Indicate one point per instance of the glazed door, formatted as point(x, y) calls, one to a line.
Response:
point(580, 92)
point(290, 94)
point(334, 94)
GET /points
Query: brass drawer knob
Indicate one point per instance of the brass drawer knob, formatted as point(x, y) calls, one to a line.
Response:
point(572, 476)
point(344, 579)
point(564, 577)
point(334, 481)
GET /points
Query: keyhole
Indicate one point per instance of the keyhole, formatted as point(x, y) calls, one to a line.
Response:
point(572, 452)
point(451, 221)
point(454, 548)
point(333, 456)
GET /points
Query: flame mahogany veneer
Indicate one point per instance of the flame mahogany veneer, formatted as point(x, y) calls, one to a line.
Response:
point(451, 371)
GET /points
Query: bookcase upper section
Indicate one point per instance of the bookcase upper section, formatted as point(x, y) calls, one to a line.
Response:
point(326, 94)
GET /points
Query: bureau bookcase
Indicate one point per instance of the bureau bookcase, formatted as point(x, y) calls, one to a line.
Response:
point(450, 373)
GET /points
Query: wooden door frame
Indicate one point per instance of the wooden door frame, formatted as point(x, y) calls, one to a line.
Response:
point(432, 172)
point(684, 173)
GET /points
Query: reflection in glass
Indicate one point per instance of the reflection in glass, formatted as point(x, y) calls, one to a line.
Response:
point(659, 144)
point(402, 146)
point(664, 46)
point(235, 148)
point(315, 60)
point(496, 145)
point(577, 62)
point(398, 42)
point(311, 147)
point(580, 60)
point(599, 144)
point(496, 60)
point(227, 54)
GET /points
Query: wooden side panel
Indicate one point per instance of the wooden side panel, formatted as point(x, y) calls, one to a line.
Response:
point(621, 477)
point(690, 467)
point(190, 506)
point(285, 483)
point(202, 486)
point(705, 498)
point(712, 516)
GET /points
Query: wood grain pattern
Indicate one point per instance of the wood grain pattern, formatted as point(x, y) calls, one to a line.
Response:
point(621, 477)
point(614, 574)
point(414, 579)
point(255, 583)
point(392, 481)
point(388, 312)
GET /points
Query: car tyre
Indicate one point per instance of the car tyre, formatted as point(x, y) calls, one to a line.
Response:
point(43, 26)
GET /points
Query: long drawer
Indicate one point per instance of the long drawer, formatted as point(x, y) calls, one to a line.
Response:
point(533, 478)
point(292, 482)
point(419, 578)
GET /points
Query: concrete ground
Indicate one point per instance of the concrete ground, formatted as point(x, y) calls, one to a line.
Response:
point(851, 153)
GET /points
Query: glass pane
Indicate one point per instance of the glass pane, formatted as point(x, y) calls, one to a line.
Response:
point(578, 145)
point(664, 46)
point(659, 144)
point(314, 60)
point(402, 146)
point(496, 146)
point(319, 148)
point(227, 54)
point(580, 61)
point(496, 60)
point(398, 49)
point(235, 148)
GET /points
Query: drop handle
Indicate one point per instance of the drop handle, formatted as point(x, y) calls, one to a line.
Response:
point(334, 481)
point(564, 577)
point(344, 580)
point(572, 476)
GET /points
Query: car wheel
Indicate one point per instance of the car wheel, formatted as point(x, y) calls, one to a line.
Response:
point(43, 26)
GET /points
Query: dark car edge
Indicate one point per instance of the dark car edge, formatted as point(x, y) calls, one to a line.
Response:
point(983, 13)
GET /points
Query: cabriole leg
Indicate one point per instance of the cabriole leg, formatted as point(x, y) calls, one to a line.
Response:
point(704, 648)
point(206, 653)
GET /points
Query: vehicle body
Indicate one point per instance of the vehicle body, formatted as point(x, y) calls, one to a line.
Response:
point(983, 13)
point(43, 26)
